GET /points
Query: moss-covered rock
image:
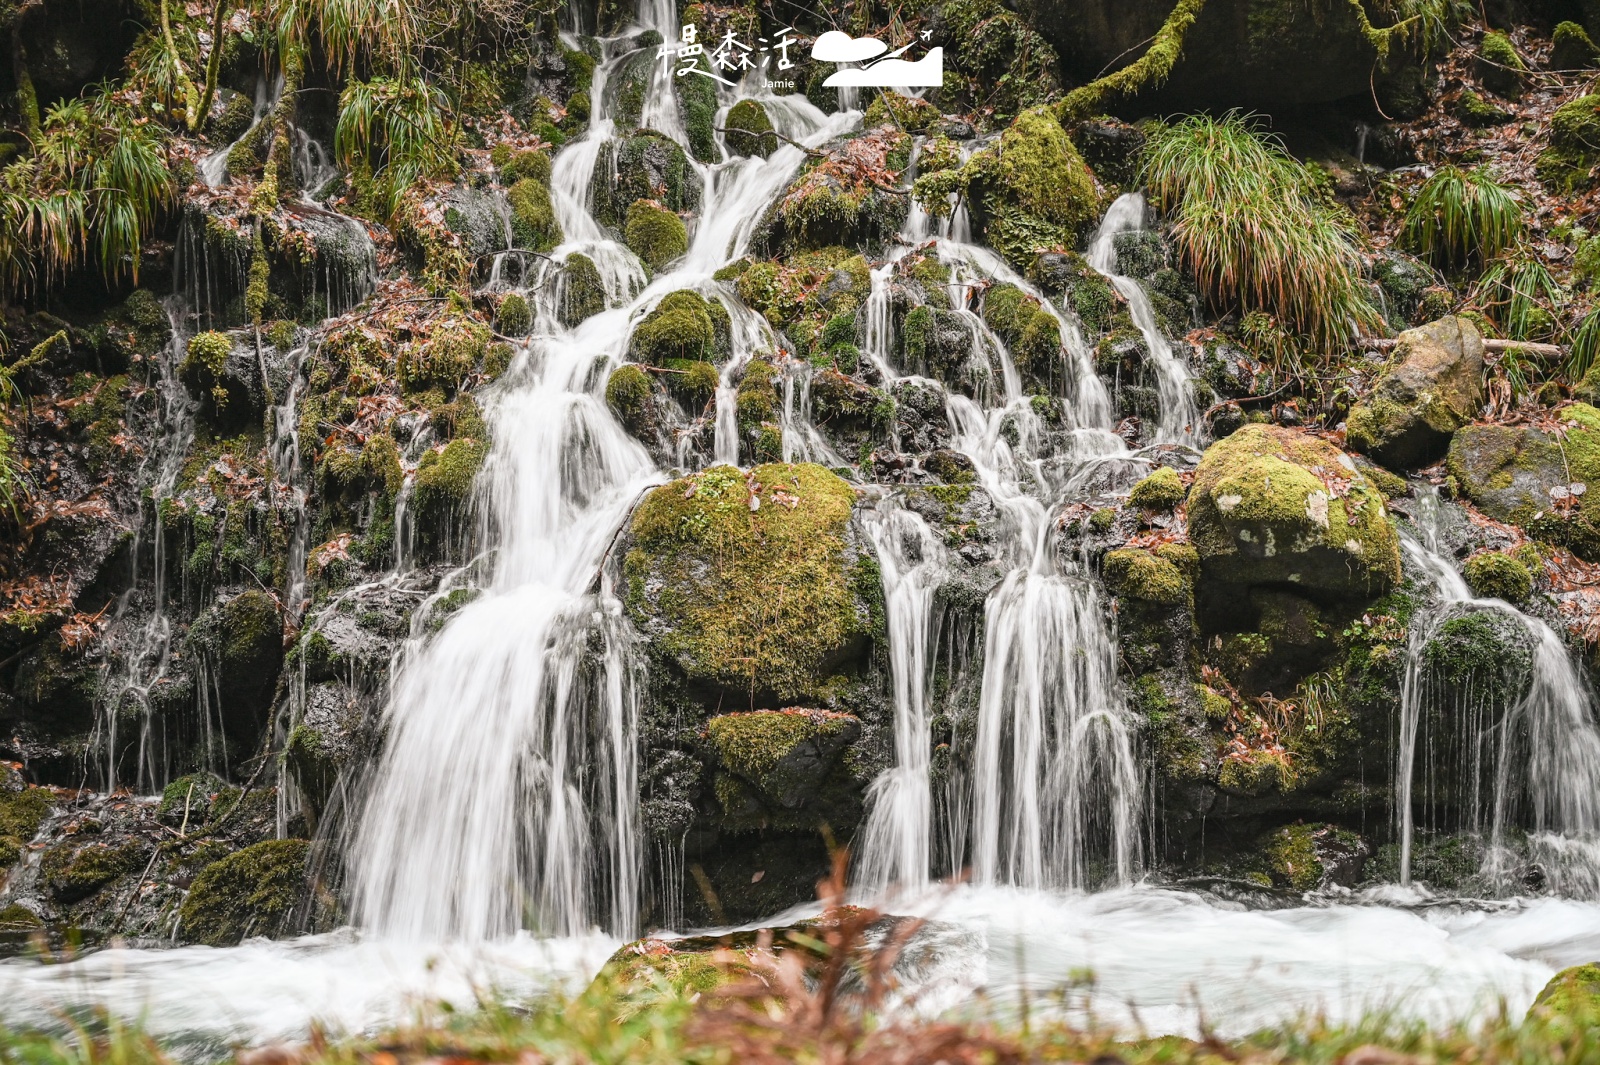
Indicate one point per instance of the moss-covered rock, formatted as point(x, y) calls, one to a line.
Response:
point(749, 580)
point(1572, 994)
point(1500, 67)
point(1573, 48)
point(785, 755)
point(444, 486)
point(842, 198)
point(1495, 575)
point(533, 217)
point(241, 641)
point(583, 293)
point(1431, 386)
point(513, 316)
point(253, 892)
point(1030, 190)
point(1146, 575)
point(1271, 505)
point(1305, 857)
point(1161, 491)
point(1473, 110)
point(749, 130)
point(656, 235)
point(628, 395)
point(21, 814)
point(1526, 476)
point(1029, 332)
point(455, 346)
point(697, 105)
point(73, 872)
point(647, 166)
point(678, 327)
point(1568, 160)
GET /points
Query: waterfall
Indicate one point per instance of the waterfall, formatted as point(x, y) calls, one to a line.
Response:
point(1180, 418)
point(510, 753)
point(898, 835)
point(1052, 794)
point(1533, 765)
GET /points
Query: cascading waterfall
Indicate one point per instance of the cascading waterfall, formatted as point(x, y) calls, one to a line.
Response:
point(1052, 792)
point(1533, 765)
point(510, 757)
point(896, 843)
point(1179, 420)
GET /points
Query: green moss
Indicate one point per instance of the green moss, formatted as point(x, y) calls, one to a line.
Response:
point(453, 350)
point(746, 123)
point(444, 478)
point(203, 363)
point(757, 398)
point(1032, 190)
point(1256, 772)
point(655, 234)
point(760, 746)
point(755, 598)
point(1273, 505)
point(583, 293)
point(21, 814)
point(1140, 574)
point(697, 101)
point(73, 873)
point(1500, 68)
point(1574, 145)
point(907, 112)
point(1474, 110)
point(251, 893)
point(1572, 992)
point(1493, 575)
point(1573, 50)
point(514, 316)
point(18, 918)
point(679, 327)
point(1028, 331)
point(1161, 491)
point(527, 165)
point(533, 218)
point(628, 394)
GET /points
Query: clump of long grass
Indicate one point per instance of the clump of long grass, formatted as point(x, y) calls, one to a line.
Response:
point(1462, 217)
point(1521, 295)
point(395, 130)
point(1249, 223)
point(1585, 347)
point(90, 192)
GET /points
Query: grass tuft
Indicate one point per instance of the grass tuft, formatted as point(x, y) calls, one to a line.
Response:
point(1462, 217)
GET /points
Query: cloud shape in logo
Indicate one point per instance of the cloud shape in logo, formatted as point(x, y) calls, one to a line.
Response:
point(927, 72)
point(838, 47)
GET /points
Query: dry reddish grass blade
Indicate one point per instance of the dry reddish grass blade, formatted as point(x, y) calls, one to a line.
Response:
point(819, 1003)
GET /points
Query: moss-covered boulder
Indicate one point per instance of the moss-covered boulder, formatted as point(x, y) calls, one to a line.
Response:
point(1164, 575)
point(628, 396)
point(749, 130)
point(1497, 575)
point(648, 166)
point(753, 582)
point(1500, 67)
point(1568, 160)
point(1030, 190)
point(775, 764)
point(1161, 491)
point(1572, 994)
point(681, 326)
point(533, 216)
point(21, 813)
point(514, 317)
point(72, 872)
point(1272, 505)
point(444, 488)
point(253, 892)
point(241, 643)
point(656, 235)
point(1573, 48)
point(1431, 386)
point(455, 346)
point(583, 293)
point(844, 197)
point(1548, 483)
point(1029, 332)
point(1304, 857)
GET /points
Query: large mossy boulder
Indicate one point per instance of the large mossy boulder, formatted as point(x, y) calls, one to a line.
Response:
point(680, 327)
point(1271, 505)
point(1030, 190)
point(655, 234)
point(647, 166)
point(754, 582)
point(1432, 386)
point(241, 642)
point(1573, 149)
point(749, 130)
point(21, 813)
point(252, 892)
point(1572, 994)
point(1547, 482)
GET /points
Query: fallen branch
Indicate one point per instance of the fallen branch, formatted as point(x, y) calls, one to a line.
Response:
point(1148, 70)
point(1385, 344)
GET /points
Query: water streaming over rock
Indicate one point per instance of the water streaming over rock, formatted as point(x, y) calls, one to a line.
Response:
point(1512, 747)
point(1179, 420)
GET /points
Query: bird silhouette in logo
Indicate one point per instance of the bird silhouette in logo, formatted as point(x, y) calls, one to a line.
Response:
point(882, 71)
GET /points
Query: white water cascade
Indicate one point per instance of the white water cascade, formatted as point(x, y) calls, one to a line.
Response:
point(510, 759)
point(1180, 418)
point(1533, 765)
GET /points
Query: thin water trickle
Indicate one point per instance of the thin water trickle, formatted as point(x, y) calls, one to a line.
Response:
point(1533, 765)
point(1179, 420)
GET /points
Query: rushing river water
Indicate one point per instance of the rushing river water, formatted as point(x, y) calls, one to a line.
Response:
point(1163, 961)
